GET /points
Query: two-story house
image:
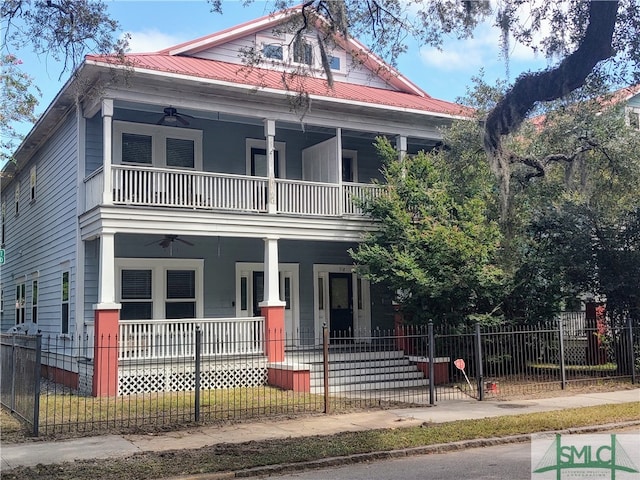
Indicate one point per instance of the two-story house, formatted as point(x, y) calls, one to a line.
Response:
point(183, 187)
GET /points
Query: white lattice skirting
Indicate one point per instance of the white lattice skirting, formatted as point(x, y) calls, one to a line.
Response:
point(178, 378)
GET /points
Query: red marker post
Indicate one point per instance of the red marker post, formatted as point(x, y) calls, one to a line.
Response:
point(459, 363)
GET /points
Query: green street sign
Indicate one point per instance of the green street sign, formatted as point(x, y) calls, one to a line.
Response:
point(1, 256)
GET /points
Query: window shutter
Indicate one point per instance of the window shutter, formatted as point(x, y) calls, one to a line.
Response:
point(136, 284)
point(181, 284)
point(136, 148)
point(180, 153)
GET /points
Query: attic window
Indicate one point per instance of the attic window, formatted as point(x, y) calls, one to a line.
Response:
point(273, 51)
point(302, 52)
point(633, 116)
point(334, 63)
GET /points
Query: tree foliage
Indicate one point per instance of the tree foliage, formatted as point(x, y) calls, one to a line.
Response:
point(435, 246)
point(63, 30)
point(66, 30)
point(17, 104)
point(581, 38)
point(573, 231)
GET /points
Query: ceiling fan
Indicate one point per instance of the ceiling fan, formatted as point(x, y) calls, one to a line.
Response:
point(172, 117)
point(168, 240)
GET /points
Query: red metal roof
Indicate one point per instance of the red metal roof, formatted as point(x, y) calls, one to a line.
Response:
point(269, 79)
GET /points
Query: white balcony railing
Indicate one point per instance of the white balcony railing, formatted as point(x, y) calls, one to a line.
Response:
point(148, 186)
point(163, 339)
point(180, 188)
point(308, 198)
point(352, 193)
point(93, 188)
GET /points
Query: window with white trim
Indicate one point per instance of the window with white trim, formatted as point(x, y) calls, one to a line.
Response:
point(160, 288)
point(21, 302)
point(157, 145)
point(136, 297)
point(64, 300)
point(17, 200)
point(287, 49)
point(633, 117)
point(32, 184)
point(256, 158)
point(303, 52)
point(34, 301)
point(3, 220)
point(180, 292)
point(274, 51)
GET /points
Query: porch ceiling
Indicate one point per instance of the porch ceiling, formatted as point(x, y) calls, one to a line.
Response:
point(248, 120)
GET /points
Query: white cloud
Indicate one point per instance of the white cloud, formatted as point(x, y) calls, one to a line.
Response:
point(151, 41)
point(470, 54)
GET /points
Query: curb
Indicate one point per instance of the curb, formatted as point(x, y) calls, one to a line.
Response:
point(269, 470)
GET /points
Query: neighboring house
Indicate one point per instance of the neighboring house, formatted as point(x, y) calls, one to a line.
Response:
point(192, 192)
point(631, 98)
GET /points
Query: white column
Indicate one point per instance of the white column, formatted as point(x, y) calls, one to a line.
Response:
point(106, 279)
point(341, 195)
point(107, 142)
point(401, 146)
point(270, 133)
point(271, 280)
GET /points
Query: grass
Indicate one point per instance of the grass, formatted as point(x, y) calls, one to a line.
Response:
point(66, 414)
point(605, 367)
point(233, 457)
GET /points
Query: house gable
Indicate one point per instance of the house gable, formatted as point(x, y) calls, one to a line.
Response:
point(272, 39)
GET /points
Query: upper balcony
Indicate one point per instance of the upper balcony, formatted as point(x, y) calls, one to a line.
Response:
point(185, 189)
point(219, 162)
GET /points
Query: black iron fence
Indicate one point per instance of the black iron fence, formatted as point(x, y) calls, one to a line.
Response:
point(20, 377)
point(405, 366)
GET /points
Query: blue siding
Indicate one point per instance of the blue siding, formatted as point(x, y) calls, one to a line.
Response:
point(91, 271)
point(220, 257)
point(40, 241)
point(93, 146)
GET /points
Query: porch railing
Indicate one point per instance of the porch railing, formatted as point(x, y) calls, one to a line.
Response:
point(353, 193)
point(93, 188)
point(149, 186)
point(307, 198)
point(179, 188)
point(161, 339)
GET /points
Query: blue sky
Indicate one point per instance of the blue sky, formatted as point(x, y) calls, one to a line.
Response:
point(156, 24)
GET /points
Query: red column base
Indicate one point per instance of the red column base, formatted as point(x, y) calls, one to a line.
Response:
point(440, 370)
point(105, 353)
point(273, 332)
point(290, 378)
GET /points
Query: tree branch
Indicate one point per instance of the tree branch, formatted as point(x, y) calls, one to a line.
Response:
point(549, 85)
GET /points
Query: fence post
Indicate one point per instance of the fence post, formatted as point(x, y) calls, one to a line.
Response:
point(325, 356)
point(197, 372)
point(480, 375)
point(13, 373)
point(563, 373)
point(36, 402)
point(631, 351)
point(432, 370)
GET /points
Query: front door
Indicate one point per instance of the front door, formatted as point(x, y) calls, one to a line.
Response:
point(341, 302)
point(340, 305)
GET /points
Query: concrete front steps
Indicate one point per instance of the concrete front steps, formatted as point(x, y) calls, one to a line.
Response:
point(363, 371)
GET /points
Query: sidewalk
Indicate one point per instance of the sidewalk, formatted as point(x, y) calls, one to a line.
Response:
point(113, 446)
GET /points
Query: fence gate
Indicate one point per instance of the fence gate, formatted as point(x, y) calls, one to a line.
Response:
point(20, 382)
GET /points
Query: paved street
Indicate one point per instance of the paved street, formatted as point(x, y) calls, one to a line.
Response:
point(501, 462)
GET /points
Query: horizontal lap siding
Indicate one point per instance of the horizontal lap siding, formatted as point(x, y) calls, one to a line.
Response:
point(93, 144)
point(354, 72)
point(43, 236)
